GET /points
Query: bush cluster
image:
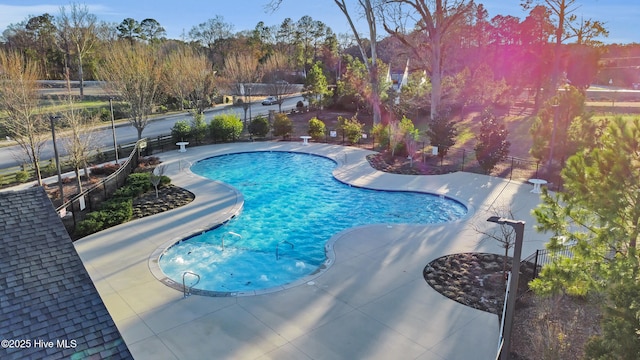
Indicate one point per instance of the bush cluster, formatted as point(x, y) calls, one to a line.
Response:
point(282, 126)
point(351, 128)
point(317, 129)
point(119, 208)
point(225, 127)
point(259, 127)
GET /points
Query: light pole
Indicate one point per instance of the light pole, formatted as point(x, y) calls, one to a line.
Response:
point(249, 90)
point(113, 130)
point(555, 106)
point(518, 226)
point(55, 151)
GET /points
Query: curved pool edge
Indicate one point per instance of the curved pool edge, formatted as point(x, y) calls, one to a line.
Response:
point(154, 258)
point(341, 167)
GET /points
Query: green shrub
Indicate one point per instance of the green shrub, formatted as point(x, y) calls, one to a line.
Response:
point(181, 131)
point(198, 128)
point(282, 126)
point(88, 226)
point(317, 129)
point(22, 176)
point(381, 135)
point(259, 127)
point(165, 180)
point(351, 127)
point(49, 169)
point(139, 182)
point(116, 211)
point(225, 127)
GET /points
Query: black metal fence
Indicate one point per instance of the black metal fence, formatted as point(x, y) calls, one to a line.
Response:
point(76, 208)
point(530, 267)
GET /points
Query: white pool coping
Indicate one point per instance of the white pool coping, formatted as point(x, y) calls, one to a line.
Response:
point(372, 302)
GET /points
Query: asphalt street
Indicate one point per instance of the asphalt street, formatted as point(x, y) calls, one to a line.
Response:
point(11, 156)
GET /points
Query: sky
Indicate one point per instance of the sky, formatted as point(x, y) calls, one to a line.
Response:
point(621, 17)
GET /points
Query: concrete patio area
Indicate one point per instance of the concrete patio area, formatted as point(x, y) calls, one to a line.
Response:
point(372, 303)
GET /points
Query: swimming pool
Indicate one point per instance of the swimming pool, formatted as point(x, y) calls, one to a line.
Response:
point(293, 206)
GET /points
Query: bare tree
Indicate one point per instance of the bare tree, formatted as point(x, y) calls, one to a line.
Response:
point(134, 73)
point(78, 32)
point(189, 75)
point(275, 69)
point(241, 70)
point(432, 22)
point(78, 140)
point(504, 234)
point(23, 120)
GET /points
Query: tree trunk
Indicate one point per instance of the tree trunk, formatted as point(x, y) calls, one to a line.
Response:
point(436, 76)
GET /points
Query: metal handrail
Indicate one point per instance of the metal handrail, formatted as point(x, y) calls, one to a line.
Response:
point(229, 233)
point(278, 248)
point(187, 291)
point(105, 180)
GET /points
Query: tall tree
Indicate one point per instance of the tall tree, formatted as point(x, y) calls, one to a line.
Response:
point(535, 32)
point(316, 87)
point(36, 39)
point(567, 26)
point(371, 61)
point(130, 30)
point(151, 30)
point(23, 119)
point(78, 29)
point(43, 31)
point(367, 47)
point(211, 33)
point(553, 123)
point(599, 211)
point(433, 21)
point(135, 74)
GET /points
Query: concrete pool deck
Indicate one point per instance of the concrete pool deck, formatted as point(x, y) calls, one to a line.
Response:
point(371, 303)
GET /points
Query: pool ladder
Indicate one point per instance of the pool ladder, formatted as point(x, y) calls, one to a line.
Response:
point(187, 290)
point(278, 248)
point(229, 233)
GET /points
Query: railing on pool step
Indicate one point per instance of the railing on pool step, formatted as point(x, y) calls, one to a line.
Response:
point(278, 248)
point(229, 233)
point(187, 290)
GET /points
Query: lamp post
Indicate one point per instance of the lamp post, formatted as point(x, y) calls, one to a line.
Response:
point(113, 130)
point(555, 106)
point(55, 151)
point(518, 226)
point(249, 91)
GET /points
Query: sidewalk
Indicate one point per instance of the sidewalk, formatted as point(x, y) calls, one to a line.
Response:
point(371, 303)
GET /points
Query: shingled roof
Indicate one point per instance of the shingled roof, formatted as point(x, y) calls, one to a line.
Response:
point(49, 307)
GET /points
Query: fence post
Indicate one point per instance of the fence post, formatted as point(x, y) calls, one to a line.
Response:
point(537, 164)
point(463, 154)
point(511, 172)
point(535, 266)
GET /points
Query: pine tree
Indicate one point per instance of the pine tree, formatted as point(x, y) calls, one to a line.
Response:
point(599, 212)
point(442, 133)
point(492, 146)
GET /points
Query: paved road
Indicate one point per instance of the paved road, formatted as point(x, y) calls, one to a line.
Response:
point(11, 156)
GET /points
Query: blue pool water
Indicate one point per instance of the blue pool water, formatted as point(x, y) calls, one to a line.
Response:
point(293, 206)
